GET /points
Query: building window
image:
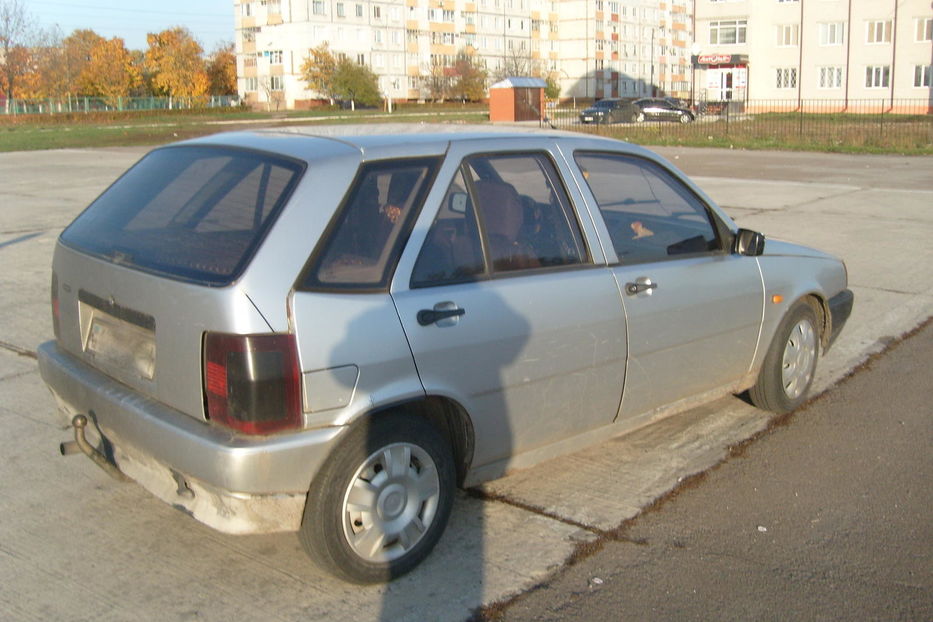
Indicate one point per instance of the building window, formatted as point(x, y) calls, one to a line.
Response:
point(447, 16)
point(782, 1)
point(317, 7)
point(727, 32)
point(340, 10)
point(276, 83)
point(359, 10)
point(922, 74)
point(275, 57)
point(832, 33)
point(924, 30)
point(830, 77)
point(377, 12)
point(786, 77)
point(788, 35)
point(877, 76)
point(246, 10)
point(251, 84)
point(878, 32)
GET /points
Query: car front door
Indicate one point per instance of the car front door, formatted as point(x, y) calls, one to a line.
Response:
point(508, 311)
point(693, 309)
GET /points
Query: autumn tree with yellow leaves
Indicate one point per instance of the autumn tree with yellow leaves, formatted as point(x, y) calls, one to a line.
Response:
point(174, 59)
point(221, 70)
point(110, 71)
point(319, 69)
point(37, 63)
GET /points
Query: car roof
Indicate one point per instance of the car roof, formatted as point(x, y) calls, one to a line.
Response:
point(376, 140)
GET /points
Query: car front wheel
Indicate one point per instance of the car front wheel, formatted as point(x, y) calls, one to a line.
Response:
point(790, 364)
point(639, 117)
point(381, 501)
point(685, 118)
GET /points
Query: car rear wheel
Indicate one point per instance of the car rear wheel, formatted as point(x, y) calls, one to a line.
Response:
point(790, 364)
point(639, 117)
point(381, 501)
point(685, 118)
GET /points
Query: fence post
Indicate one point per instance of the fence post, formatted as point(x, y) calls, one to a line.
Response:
point(882, 119)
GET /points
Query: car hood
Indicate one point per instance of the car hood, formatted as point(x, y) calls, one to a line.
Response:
point(777, 248)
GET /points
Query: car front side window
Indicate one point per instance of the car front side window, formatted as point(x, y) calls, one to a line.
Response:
point(650, 215)
point(502, 213)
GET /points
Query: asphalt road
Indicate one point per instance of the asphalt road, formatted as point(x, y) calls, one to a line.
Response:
point(827, 518)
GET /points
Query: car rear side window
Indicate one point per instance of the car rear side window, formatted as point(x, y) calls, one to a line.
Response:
point(192, 213)
point(362, 245)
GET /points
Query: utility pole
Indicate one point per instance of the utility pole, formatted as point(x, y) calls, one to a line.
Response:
point(654, 89)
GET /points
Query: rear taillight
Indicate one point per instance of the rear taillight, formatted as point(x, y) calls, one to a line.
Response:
point(252, 383)
point(56, 309)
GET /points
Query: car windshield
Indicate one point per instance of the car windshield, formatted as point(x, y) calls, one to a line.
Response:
point(604, 104)
point(193, 213)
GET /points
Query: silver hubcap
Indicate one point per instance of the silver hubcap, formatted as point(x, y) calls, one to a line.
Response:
point(390, 502)
point(799, 356)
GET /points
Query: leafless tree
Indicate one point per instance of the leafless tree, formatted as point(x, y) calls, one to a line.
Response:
point(17, 28)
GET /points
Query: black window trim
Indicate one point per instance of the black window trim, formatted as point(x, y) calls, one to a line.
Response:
point(307, 281)
point(489, 273)
point(722, 232)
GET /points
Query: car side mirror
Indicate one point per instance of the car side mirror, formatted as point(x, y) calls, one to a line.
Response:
point(749, 243)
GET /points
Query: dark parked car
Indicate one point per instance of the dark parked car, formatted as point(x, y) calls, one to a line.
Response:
point(655, 109)
point(609, 110)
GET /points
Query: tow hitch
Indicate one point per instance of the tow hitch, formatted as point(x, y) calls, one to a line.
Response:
point(80, 444)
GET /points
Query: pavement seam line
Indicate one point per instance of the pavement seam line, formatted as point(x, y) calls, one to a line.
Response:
point(613, 535)
point(18, 350)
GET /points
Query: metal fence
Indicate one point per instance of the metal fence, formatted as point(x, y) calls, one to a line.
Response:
point(898, 124)
point(72, 105)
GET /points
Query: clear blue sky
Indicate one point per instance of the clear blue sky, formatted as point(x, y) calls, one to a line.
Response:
point(211, 21)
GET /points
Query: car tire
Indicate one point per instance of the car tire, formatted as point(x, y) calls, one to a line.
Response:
point(638, 117)
point(686, 118)
point(790, 364)
point(381, 501)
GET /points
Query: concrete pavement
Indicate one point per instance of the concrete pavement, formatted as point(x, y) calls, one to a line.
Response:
point(76, 545)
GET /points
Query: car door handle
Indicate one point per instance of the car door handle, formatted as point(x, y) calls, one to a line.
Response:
point(426, 317)
point(640, 285)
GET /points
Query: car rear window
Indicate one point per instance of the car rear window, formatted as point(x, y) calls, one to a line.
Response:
point(195, 213)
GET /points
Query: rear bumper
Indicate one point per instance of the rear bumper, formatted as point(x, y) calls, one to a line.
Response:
point(155, 444)
point(840, 307)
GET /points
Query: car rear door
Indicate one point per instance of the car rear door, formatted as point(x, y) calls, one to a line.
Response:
point(508, 306)
point(693, 309)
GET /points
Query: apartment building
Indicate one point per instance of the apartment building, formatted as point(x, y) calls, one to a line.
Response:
point(844, 50)
point(593, 48)
point(624, 48)
point(737, 50)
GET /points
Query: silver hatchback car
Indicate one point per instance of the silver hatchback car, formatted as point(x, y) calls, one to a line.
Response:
point(286, 331)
